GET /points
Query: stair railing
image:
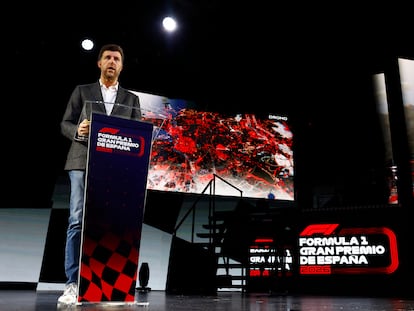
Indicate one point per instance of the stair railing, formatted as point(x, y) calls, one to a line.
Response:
point(211, 186)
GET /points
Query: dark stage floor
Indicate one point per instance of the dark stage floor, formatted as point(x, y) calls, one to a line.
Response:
point(25, 300)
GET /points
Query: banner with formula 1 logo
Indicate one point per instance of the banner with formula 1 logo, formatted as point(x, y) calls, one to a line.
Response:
point(332, 249)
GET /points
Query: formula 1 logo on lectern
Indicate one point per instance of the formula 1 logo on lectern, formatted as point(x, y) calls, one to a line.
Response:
point(111, 140)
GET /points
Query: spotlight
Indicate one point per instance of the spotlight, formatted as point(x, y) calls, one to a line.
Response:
point(87, 44)
point(169, 24)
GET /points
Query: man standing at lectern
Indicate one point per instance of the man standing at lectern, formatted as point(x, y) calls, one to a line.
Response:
point(75, 126)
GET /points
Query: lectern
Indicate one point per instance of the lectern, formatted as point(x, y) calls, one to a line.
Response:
point(115, 193)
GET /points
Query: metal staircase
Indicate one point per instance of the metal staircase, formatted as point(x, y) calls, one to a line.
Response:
point(211, 233)
point(231, 273)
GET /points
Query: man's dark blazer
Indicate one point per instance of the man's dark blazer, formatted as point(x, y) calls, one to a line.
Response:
point(76, 112)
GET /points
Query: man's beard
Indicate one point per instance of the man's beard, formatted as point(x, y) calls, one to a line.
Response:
point(110, 76)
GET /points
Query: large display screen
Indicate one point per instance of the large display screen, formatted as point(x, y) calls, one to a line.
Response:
point(384, 118)
point(246, 154)
point(383, 113)
point(406, 73)
point(406, 68)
